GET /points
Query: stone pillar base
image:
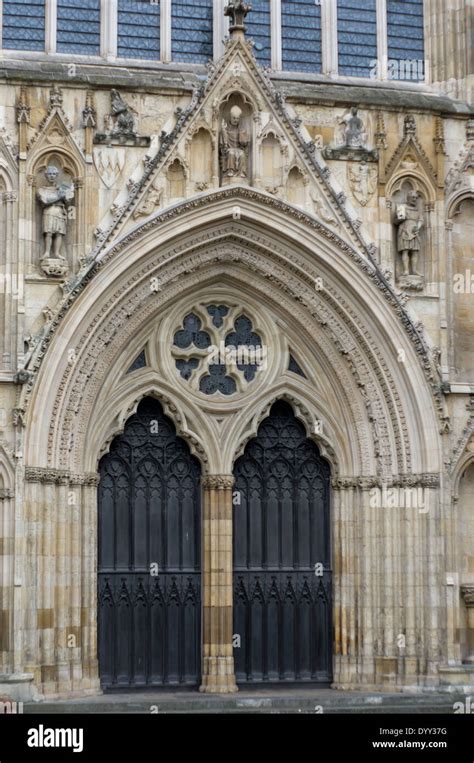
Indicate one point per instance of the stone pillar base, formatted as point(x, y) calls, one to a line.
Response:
point(18, 687)
point(218, 677)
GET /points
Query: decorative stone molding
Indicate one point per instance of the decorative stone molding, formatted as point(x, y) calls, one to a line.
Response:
point(6, 493)
point(8, 197)
point(89, 114)
point(460, 447)
point(59, 476)
point(403, 480)
point(55, 111)
point(218, 481)
point(411, 160)
point(459, 181)
point(353, 483)
point(467, 592)
point(23, 109)
point(9, 148)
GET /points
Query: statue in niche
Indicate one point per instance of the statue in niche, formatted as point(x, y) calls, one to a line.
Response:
point(409, 221)
point(233, 148)
point(55, 198)
point(355, 135)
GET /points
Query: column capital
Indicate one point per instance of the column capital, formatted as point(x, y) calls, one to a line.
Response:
point(218, 481)
point(467, 591)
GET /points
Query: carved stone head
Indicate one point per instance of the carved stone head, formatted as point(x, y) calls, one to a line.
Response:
point(51, 174)
point(235, 116)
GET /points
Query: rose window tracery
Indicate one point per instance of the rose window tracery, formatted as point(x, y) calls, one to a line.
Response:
point(217, 350)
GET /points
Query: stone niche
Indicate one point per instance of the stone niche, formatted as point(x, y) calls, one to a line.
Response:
point(463, 288)
point(409, 223)
point(296, 187)
point(273, 156)
point(176, 181)
point(201, 164)
point(66, 178)
point(236, 141)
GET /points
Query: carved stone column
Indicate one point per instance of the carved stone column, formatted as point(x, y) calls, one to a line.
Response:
point(218, 661)
point(467, 591)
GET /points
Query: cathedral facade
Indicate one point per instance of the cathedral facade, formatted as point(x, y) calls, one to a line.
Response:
point(236, 345)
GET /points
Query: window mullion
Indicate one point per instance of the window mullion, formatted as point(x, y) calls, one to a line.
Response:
point(108, 28)
point(329, 37)
point(382, 40)
point(275, 11)
point(220, 27)
point(165, 31)
point(51, 21)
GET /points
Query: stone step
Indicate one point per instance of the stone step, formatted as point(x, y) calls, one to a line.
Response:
point(317, 701)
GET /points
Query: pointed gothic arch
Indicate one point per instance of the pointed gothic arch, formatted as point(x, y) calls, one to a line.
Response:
point(380, 417)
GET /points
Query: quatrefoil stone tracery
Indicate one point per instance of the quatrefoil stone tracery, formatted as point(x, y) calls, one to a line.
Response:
point(202, 348)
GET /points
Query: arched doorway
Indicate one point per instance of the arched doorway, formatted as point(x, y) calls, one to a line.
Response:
point(282, 566)
point(149, 597)
point(466, 547)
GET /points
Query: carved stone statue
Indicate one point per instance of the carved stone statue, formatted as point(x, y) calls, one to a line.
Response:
point(119, 126)
point(355, 135)
point(124, 123)
point(409, 220)
point(233, 145)
point(351, 141)
point(55, 199)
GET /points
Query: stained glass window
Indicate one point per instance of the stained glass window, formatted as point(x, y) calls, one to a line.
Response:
point(191, 31)
point(405, 39)
point(357, 37)
point(301, 35)
point(78, 27)
point(138, 29)
point(257, 24)
point(23, 24)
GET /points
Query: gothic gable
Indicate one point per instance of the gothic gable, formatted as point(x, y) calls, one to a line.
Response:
point(281, 160)
point(410, 160)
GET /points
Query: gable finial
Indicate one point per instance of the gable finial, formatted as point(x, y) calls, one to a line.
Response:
point(237, 11)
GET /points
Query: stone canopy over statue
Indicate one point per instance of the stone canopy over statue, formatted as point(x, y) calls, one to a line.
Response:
point(234, 148)
point(409, 221)
point(55, 198)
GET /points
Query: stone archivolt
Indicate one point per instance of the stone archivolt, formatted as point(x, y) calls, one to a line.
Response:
point(134, 305)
